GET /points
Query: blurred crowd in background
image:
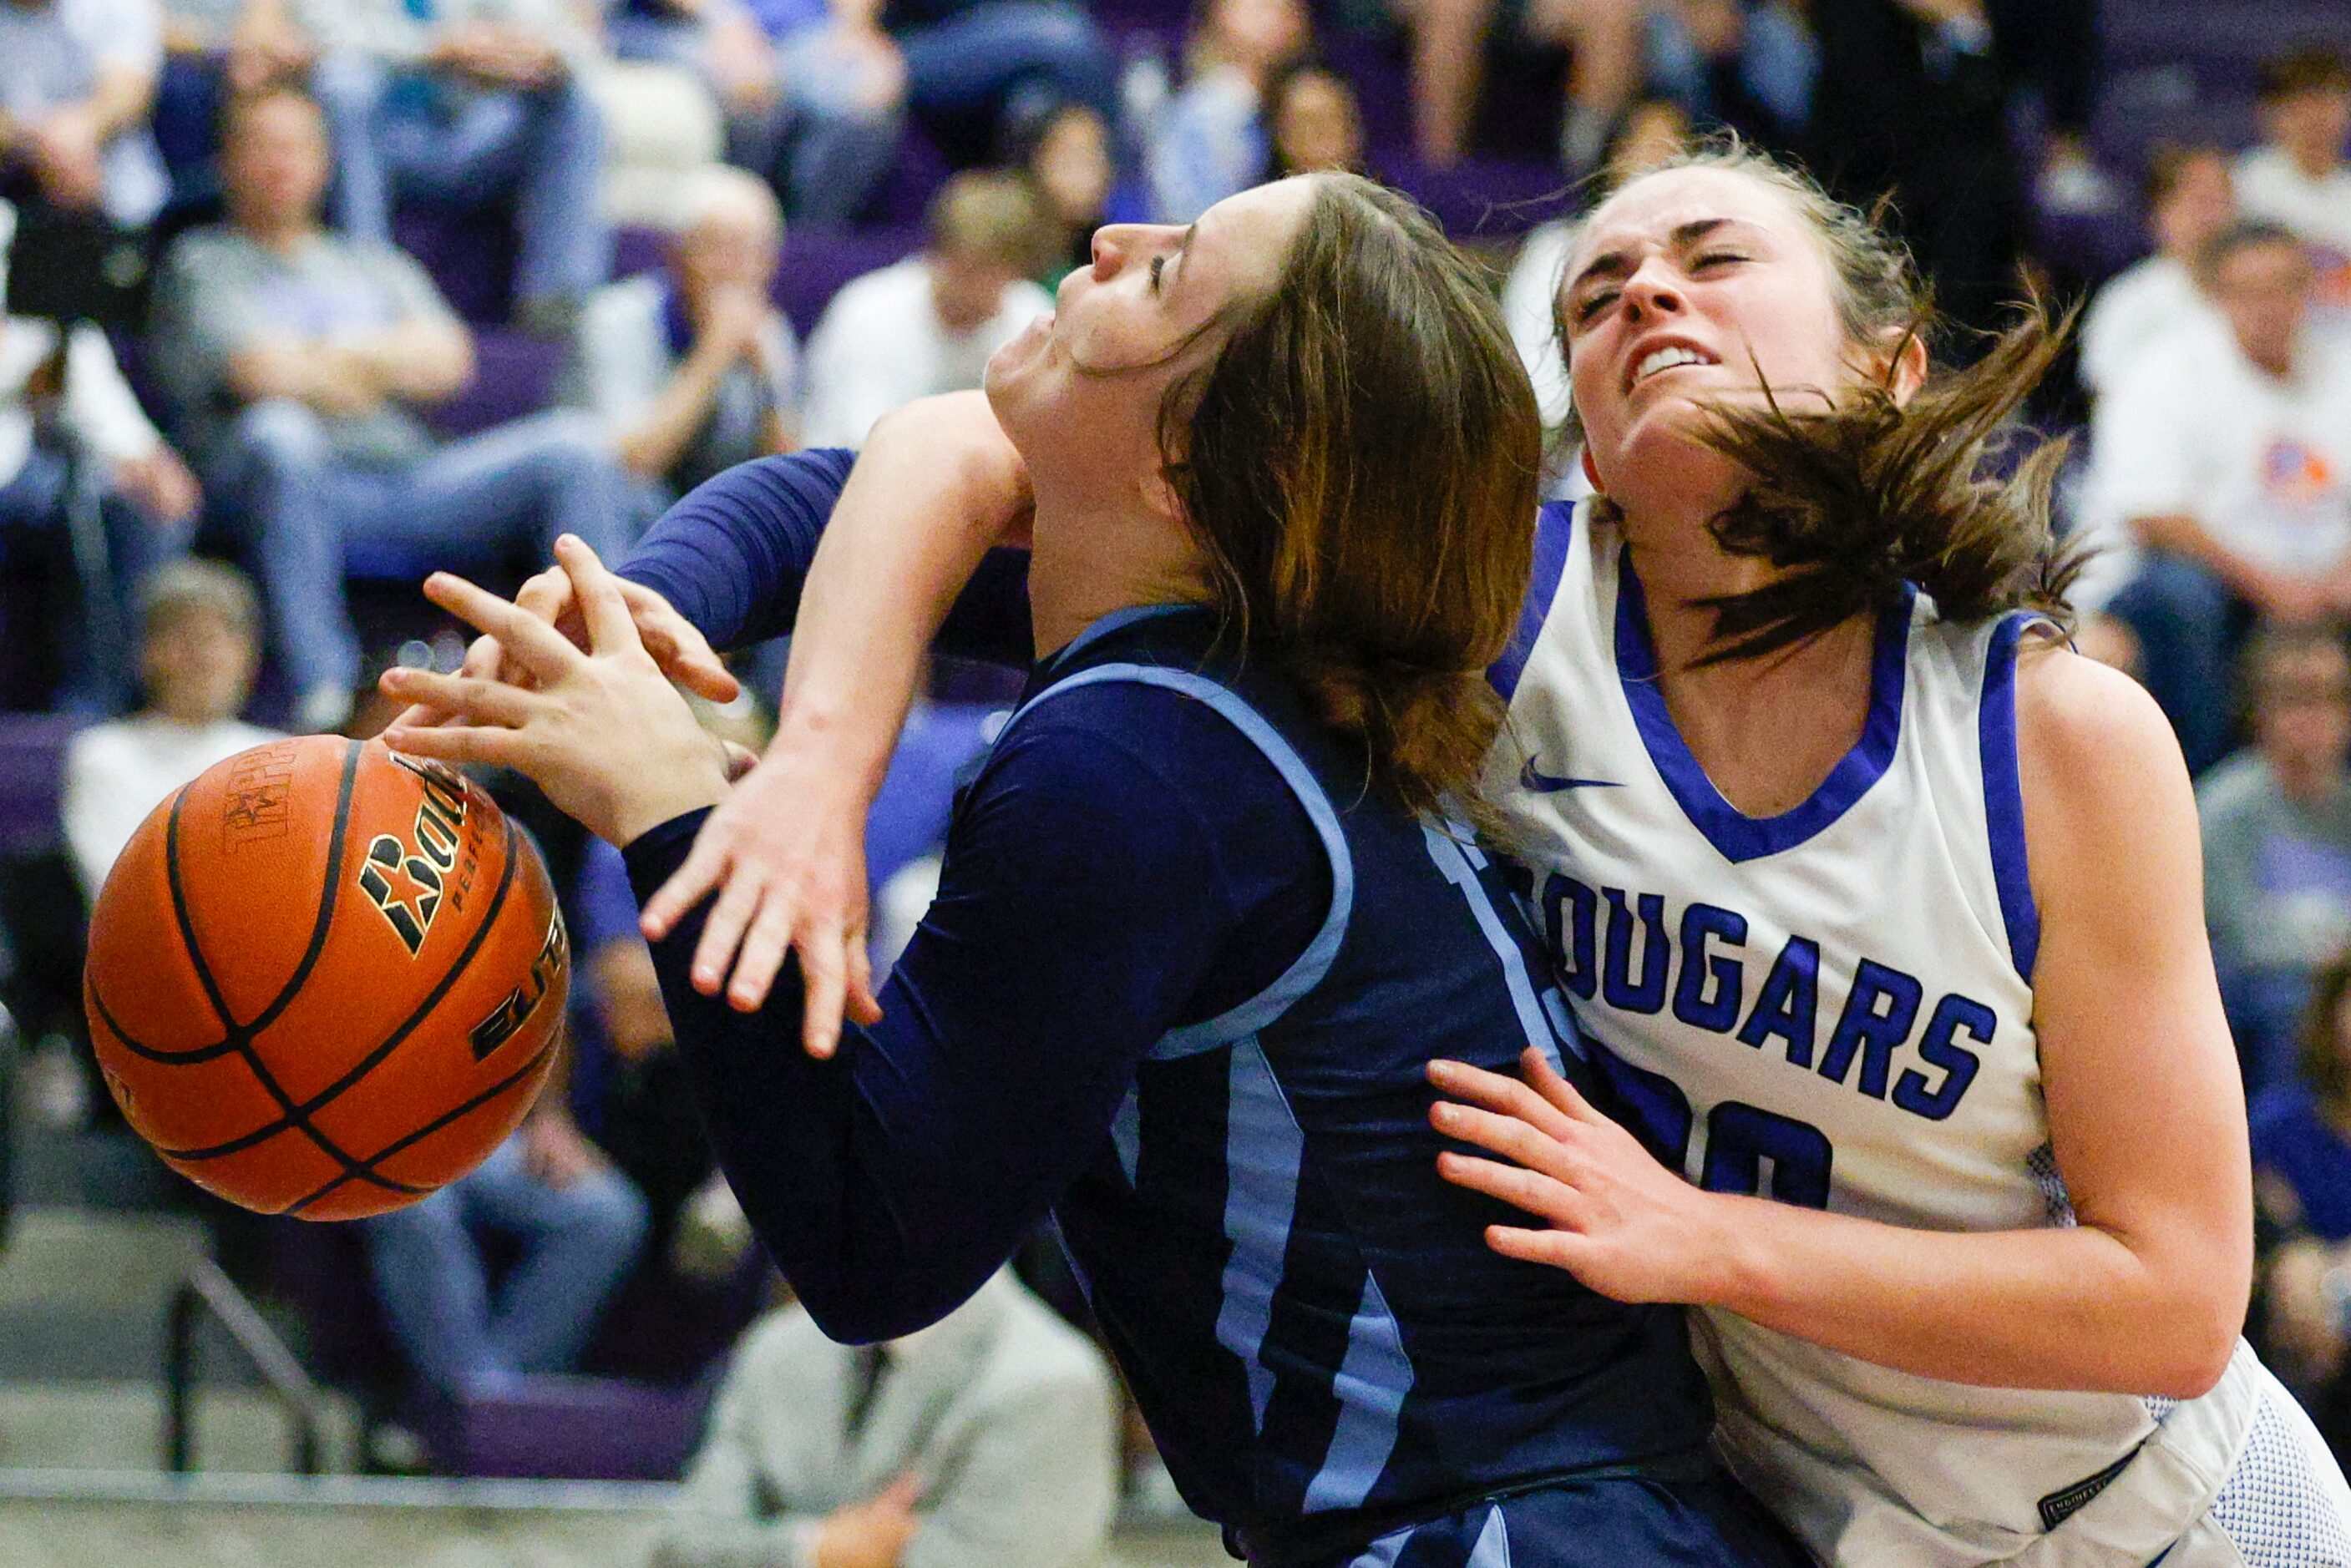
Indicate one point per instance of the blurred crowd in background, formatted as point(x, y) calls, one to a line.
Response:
point(305, 298)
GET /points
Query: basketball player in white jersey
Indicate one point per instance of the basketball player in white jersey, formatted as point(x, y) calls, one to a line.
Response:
point(1888, 940)
point(1896, 925)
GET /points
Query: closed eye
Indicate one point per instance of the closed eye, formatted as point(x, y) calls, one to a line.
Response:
point(1718, 258)
point(1158, 266)
point(1592, 304)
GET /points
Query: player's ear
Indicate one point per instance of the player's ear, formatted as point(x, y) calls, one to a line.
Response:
point(1907, 370)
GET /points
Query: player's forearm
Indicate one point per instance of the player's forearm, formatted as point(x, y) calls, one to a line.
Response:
point(937, 486)
point(2077, 1308)
point(421, 361)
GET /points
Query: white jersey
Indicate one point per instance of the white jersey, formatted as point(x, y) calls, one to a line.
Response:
point(1834, 1007)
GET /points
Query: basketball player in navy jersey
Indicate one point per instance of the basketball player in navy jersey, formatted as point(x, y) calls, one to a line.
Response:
point(1203, 922)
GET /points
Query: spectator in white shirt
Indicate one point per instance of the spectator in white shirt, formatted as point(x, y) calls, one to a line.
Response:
point(2189, 198)
point(2298, 176)
point(199, 645)
point(929, 323)
point(692, 370)
point(147, 499)
point(985, 1441)
point(2228, 457)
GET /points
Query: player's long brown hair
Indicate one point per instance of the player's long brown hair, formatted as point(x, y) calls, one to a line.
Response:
point(1857, 499)
point(1360, 463)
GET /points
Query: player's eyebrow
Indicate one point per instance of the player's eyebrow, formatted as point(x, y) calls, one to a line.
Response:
point(1621, 261)
point(1182, 246)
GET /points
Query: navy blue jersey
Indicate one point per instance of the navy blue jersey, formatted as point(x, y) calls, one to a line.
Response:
point(1265, 1241)
point(1180, 988)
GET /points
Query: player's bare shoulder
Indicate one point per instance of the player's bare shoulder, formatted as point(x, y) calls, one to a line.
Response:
point(2100, 769)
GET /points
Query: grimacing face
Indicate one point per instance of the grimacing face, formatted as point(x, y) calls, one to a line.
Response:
point(1689, 286)
point(1084, 383)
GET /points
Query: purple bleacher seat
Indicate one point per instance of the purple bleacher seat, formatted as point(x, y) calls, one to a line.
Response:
point(815, 265)
point(570, 1428)
point(469, 254)
point(913, 178)
point(514, 375)
point(1483, 198)
point(32, 781)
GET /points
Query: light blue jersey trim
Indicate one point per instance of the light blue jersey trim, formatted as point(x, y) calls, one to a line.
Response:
point(1383, 1552)
point(1264, 1150)
point(1102, 627)
point(1493, 1548)
point(1308, 970)
point(1459, 861)
point(1373, 1380)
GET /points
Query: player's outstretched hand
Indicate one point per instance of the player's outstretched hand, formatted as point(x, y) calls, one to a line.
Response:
point(1615, 1218)
point(677, 648)
point(786, 855)
point(559, 729)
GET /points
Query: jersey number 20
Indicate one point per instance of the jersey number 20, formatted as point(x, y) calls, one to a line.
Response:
point(1738, 1138)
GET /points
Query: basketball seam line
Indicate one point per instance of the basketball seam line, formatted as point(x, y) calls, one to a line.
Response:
point(240, 1037)
point(230, 1042)
point(377, 1058)
point(435, 1125)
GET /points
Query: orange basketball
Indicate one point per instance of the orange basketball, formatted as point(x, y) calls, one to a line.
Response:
point(325, 980)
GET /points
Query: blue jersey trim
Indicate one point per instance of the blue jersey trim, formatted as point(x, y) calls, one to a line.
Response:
point(1740, 838)
point(1372, 1382)
point(1555, 531)
point(1459, 861)
point(1264, 1150)
point(2004, 794)
point(1307, 970)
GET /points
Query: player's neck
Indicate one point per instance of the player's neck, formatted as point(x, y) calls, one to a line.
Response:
point(1096, 554)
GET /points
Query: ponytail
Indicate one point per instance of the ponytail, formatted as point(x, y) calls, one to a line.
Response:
point(1855, 501)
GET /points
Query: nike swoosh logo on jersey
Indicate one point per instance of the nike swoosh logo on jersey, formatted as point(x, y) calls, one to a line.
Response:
point(1534, 778)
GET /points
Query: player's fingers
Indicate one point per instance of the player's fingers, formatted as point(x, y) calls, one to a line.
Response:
point(537, 646)
point(723, 928)
point(1558, 1249)
point(1555, 1090)
point(864, 1007)
point(458, 696)
point(703, 869)
point(610, 629)
point(673, 899)
point(822, 967)
point(678, 645)
point(1506, 1136)
point(461, 743)
point(546, 594)
point(764, 943)
point(1538, 1195)
point(1495, 1093)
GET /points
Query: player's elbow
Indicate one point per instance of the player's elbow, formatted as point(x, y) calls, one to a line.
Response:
point(2201, 1339)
